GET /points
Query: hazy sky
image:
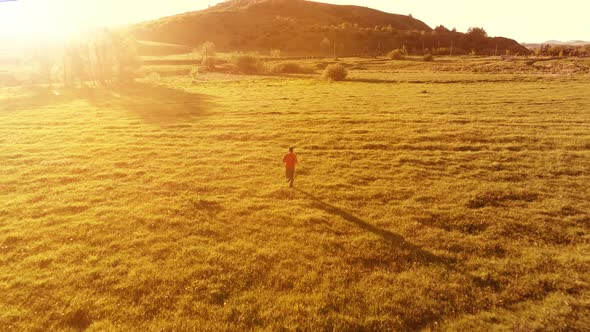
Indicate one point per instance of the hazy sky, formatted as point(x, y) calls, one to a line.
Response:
point(524, 20)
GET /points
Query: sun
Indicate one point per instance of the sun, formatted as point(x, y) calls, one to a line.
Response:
point(40, 21)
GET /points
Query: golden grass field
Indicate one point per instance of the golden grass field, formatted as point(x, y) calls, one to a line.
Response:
point(427, 197)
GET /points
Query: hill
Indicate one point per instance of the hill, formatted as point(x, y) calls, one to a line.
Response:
point(567, 43)
point(307, 27)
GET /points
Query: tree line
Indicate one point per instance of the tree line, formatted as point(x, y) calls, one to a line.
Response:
point(563, 50)
point(439, 41)
point(99, 57)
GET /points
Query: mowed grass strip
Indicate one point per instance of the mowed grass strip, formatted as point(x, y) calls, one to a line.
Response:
point(461, 205)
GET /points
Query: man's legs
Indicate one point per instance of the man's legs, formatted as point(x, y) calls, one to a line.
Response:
point(290, 173)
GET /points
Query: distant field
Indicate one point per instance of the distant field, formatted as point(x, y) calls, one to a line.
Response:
point(161, 49)
point(428, 196)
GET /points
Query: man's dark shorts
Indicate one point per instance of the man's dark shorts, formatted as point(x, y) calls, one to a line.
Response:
point(290, 172)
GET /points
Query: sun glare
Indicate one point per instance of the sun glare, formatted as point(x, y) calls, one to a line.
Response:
point(34, 21)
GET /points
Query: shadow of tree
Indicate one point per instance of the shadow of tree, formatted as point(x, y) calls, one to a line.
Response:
point(152, 103)
point(31, 98)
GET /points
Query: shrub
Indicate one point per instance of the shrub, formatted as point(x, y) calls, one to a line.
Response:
point(396, 55)
point(335, 72)
point(194, 73)
point(275, 53)
point(247, 64)
point(290, 68)
point(428, 57)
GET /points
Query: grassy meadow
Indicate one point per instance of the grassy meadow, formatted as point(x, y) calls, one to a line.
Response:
point(452, 195)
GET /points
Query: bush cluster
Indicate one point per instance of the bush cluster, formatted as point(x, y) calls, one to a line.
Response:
point(247, 64)
point(396, 55)
point(335, 72)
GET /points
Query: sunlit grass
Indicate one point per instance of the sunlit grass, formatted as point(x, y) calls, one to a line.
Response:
point(462, 205)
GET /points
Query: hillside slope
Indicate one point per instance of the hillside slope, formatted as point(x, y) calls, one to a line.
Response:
point(310, 12)
point(297, 26)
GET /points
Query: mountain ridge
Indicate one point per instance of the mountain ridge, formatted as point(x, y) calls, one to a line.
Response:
point(567, 43)
point(572, 44)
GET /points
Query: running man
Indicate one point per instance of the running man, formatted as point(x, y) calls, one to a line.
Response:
point(290, 160)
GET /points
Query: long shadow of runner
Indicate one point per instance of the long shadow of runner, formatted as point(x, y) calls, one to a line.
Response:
point(390, 237)
point(399, 241)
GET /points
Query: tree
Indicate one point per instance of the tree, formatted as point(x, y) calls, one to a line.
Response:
point(207, 53)
point(477, 33)
point(125, 55)
point(76, 65)
point(476, 36)
point(547, 49)
point(555, 50)
point(45, 61)
point(325, 44)
point(441, 29)
point(103, 49)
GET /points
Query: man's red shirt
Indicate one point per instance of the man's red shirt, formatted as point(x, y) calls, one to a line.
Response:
point(290, 159)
